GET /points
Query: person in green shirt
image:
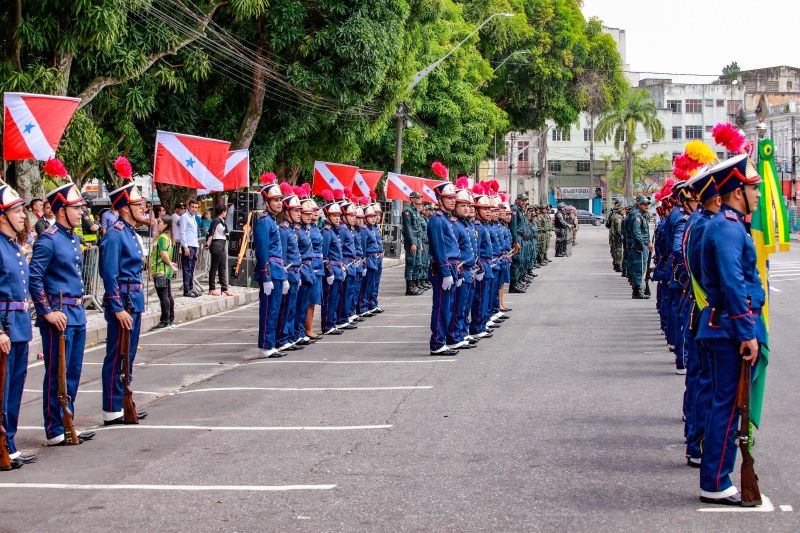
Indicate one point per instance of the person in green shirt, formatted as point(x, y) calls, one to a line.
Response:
point(163, 269)
point(204, 224)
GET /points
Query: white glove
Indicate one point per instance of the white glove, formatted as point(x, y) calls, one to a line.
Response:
point(344, 273)
point(268, 286)
point(364, 273)
point(447, 282)
point(459, 282)
point(329, 279)
point(479, 276)
point(285, 287)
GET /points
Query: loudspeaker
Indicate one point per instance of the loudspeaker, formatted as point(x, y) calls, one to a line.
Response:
point(235, 243)
point(244, 202)
point(244, 279)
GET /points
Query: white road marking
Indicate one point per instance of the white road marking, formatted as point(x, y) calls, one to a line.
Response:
point(239, 488)
point(399, 361)
point(774, 289)
point(786, 508)
point(765, 507)
point(304, 389)
point(246, 428)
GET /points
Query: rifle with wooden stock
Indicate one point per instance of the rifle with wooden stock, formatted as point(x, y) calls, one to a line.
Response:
point(751, 494)
point(129, 414)
point(70, 434)
point(5, 456)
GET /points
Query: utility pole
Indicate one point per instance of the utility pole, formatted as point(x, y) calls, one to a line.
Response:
point(399, 119)
point(511, 161)
point(591, 164)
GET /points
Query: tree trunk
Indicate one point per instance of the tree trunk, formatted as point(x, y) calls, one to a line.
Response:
point(544, 181)
point(172, 194)
point(29, 182)
point(14, 16)
point(63, 63)
point(628, 173)
point(252, 116)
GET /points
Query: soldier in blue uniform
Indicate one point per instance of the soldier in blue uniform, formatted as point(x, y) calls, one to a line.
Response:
point(269, 269)
point(308, 276)
point(292, 263)
point(484, 274)
point(347, 239)
point(56, 285)
point(360, 230)
point(315, 294)
point(121, 261)
point(730, 326)
point(443, 271)
point(467, 244)
point(373, 252)
point(15, 321)
point(374, 308)
point(334, 268)
point(679, 277)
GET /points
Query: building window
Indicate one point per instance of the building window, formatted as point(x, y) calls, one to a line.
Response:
point(560, 134)
point(582, 166)
point(720, 155)
point(676, 132)
point(587, 135)
point(709, 128)
point(734, 106)
point(720, 103)
point(772, 86)
point(523, 151)
point(694, 132)
point(554, 166)
point(788, 86)
point(675, 105)
point(709, 102)
point(694, 106)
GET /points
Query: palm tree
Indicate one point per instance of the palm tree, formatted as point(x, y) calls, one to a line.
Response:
point(621, 123)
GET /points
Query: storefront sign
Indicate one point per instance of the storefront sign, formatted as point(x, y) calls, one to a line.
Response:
point(574, 193)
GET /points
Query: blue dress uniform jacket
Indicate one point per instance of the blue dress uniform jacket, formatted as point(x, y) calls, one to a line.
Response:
point(292, 262)
point(121, 263)
point(269, 267)
point(373, 253)
point(317, 263)
point(735, 297)
point(377, 258)
point(353, 280)
point(307, 279)
point(444, 262)
point(467, 244)
point(15, 321)
point(57, 265)
point(331, 292)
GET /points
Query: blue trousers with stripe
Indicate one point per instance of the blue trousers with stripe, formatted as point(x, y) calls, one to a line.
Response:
point(268, 308)
point(441, 312)
point(461, 307)
point(304, 296)
point(331, 296)
point(112, 386)
point(719, 444)
point(74, 344)
point(286, 315)
point(480, 306)
point(16, 371)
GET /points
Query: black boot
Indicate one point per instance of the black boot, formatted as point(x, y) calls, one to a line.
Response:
point(637, 293)
point(646, 289)
point(411, 289)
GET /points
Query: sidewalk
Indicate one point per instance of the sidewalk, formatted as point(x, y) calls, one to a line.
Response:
point(186, 309)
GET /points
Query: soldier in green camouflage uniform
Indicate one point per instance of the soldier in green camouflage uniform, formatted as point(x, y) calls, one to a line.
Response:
point(545, 234)
point(520, 242)
point(412, 222)
point(425, 257)
point(615, 237)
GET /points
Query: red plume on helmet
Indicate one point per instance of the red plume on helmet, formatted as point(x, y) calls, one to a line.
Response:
point(328, 195)
point(267, 178)
point(504, 197)
point(307, 190)
point(729, 136)
point(439, 169)
point(373, 195)
point(338, 194)
point(55, 168)
point(462, 183)
point(493, 186)
point(348, 193)
point(478, 188)
point(286, 189)
point(297, 191)
point(123, 168)
point(363, 200)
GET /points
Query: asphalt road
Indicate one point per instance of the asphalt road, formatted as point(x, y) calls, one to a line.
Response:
point(568, 419)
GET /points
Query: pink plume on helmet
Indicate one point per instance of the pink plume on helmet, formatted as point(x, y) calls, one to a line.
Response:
point(462, 183)
point(328, 195)
point(493, 186)
point(267, 177)
point(298, 191)
point(363, 200)
point(55, 168)
point(286, 189)
point(439, 169)
point(123, 168)
point(478, 188)
point(504, 197)
point(338, 194)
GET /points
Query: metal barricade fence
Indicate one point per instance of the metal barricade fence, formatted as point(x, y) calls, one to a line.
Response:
point(92, 282)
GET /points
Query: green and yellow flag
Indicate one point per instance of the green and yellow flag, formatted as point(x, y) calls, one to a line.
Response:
point(769, 227)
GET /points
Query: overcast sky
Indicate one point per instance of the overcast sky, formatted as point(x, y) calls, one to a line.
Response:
point(702, 36)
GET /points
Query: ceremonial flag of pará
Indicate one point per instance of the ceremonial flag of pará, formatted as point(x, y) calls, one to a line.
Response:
point(189, 161)
point(237, 172)
point(425, 189)
point(332, 176)
point(34, 123)
point(398, 186)
point(365, 181)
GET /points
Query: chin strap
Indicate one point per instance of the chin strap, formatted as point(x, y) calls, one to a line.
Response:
point(746, 201)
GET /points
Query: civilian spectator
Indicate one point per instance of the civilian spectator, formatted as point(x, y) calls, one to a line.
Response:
point(163, 270)
point(189, 245)
point(180, 209)
point(217, 242)
point(109, 218)
point(47, 220)
point(204, 224)
point(35, 211)
point(155, 216)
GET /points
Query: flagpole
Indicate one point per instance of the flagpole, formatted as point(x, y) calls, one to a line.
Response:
point(150, 236)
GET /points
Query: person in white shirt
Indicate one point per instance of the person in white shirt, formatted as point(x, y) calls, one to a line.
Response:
point(187, 235)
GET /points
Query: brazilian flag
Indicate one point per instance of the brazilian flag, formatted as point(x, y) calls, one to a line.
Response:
point(769, 227)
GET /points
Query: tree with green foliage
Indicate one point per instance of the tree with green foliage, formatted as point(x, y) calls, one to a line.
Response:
point(645, 169)
point(621, 123)
point(730, 73)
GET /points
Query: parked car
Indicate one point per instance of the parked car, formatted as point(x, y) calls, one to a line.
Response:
point(585, 217)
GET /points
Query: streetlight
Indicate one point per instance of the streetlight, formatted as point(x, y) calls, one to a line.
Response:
point(400, 115)
point(503, 62)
